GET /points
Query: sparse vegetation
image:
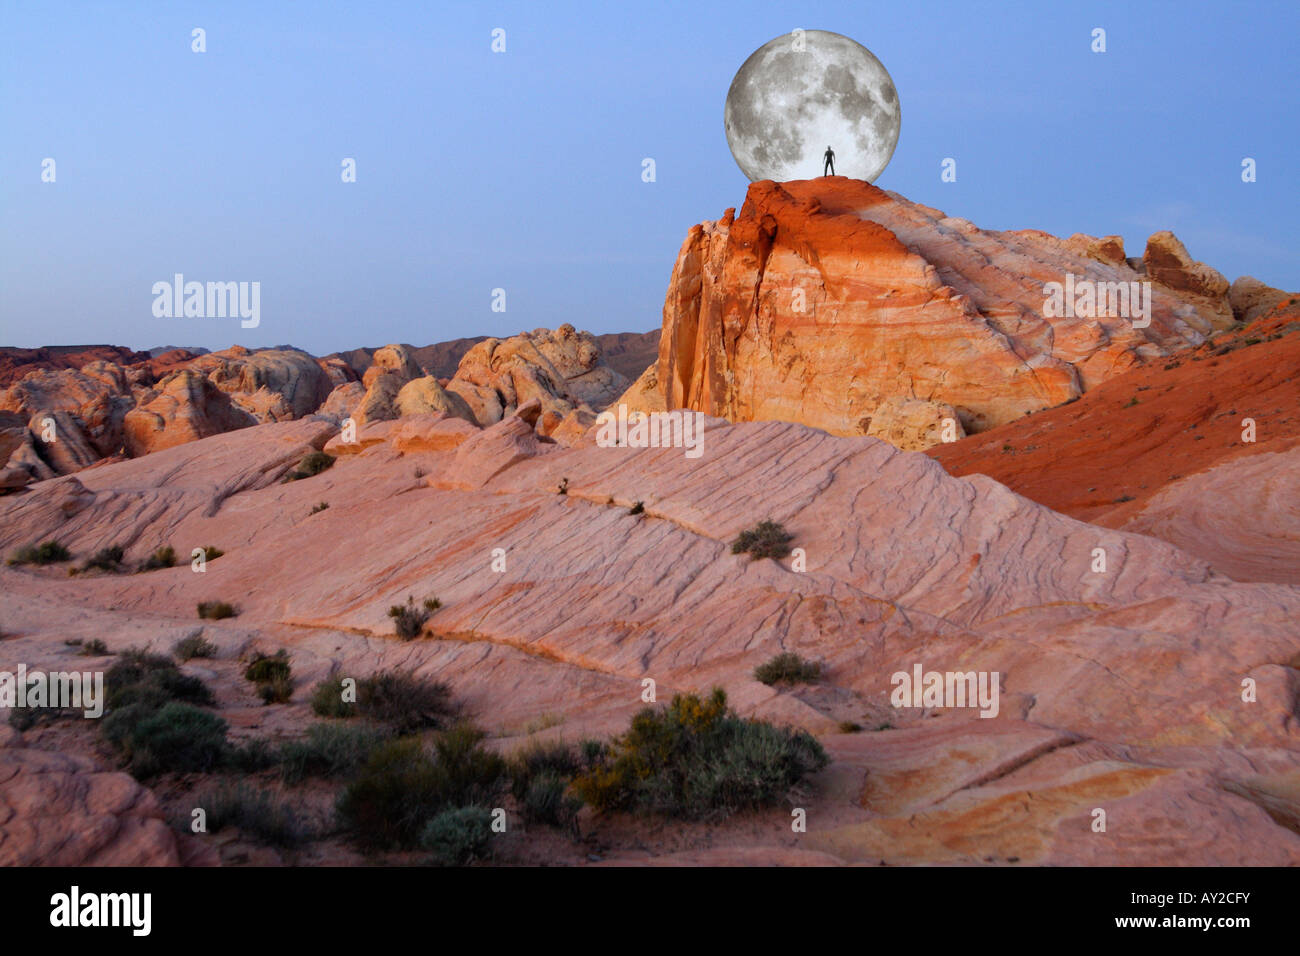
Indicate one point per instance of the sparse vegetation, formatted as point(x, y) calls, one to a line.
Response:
point(787, 668)
point(767, 539)
point(164, 557)
point(196, 645)
point(850, 727)
point(317, 509)
point(327, 699)
point(637, 509)
point(277, 690)
point(47, 552)
point(272, 675)
point(94, 648)
point(311, 465)
point(105, 559)
point(409, 619)
point(697, 759)
point(329, 750)
point(405, 702)
point(211, 553)
point(216, 610)
point(563, 488)
point(1131, 402)
point(255, 812)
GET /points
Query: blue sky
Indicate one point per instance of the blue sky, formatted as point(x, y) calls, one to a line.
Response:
point(522, 170)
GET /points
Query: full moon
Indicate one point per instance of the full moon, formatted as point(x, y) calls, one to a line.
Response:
point(803, 92)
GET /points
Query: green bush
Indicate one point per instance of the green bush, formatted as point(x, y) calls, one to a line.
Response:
point(47, 552)
point(216, 610)
point(401, 786)
point(459, 836)
point(277, 690)
point(405, 702)
point(173, 738)
point(196, 645)
point(410, 619)
point(255, 812)
point(697, 759)
point(264, 667)
point(767, 539)
point(788, 668)
point(312, 464)
point(94, 648)
point(140, 678)
point(329, 750)
point(105, 559)
point(164, 557)
point(327, 699)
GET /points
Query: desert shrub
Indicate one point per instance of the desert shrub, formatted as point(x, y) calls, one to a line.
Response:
point(196, 645)
point(265, 667)
point(257, 754)
point(767, 539)
point(547, 801)
point(24, 718)
point(787, 668)
point(216, 610)
point(255, 812)
point(329, 750)
point(47, 552)
point(404, 702)
point(211, 553)
point(563, 488)
point(173, 738)
point(164, 557)
point(850, 727)
point(94, 648)
point(698, 759)
point(538, 759)
point(327, 699)
point(105, 559)
point(409, 620)
point(277, 690)
point(459, 836)
point(317, 509)
point(637, 509)
point(312, 464)
point(401, 786)
point(151, 679)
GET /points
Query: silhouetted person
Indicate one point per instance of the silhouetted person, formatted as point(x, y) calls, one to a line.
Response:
point(828, 167)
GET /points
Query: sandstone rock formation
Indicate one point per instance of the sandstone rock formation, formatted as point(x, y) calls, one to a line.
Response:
point(1169, 439)
point(830, 302)
point(184, 407)
point(106, 409)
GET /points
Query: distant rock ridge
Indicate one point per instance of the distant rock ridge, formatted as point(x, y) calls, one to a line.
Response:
point(67, 408)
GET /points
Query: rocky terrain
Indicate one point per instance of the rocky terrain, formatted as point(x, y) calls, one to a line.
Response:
point(1111, 528)
point(839, 305)
point(68, 409)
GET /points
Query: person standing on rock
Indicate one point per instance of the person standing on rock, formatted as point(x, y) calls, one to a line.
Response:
point(829, 163)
